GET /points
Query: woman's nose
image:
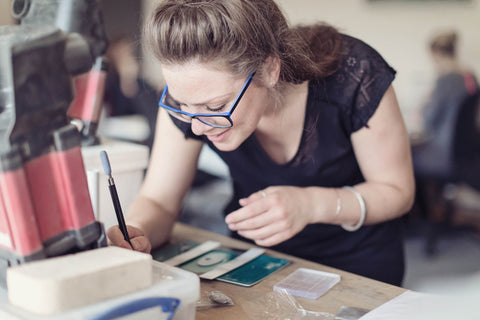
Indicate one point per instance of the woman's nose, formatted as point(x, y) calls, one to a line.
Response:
point(199, 128)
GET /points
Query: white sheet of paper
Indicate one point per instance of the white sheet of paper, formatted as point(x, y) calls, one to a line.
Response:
point(413, 305)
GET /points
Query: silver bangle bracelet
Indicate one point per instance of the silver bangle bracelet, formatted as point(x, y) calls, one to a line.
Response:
point(339, 203)
point(363, 211)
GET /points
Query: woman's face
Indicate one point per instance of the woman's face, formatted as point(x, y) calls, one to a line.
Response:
point(203, 88)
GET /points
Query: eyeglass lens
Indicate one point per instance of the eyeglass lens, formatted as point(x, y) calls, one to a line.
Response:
point(217, 121)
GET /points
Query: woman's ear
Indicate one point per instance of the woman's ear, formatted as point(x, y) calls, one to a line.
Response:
point(272, 71)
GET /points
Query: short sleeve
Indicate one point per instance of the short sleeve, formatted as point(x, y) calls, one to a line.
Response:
point(360, 83)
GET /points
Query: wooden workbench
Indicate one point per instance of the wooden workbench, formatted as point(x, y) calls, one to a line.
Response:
point(352, 290)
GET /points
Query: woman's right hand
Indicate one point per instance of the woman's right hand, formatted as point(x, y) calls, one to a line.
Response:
point(138, 239)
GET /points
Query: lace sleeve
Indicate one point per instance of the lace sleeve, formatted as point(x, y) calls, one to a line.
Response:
point(360, 83)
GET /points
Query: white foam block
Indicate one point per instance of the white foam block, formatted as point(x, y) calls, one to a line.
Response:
point(59, 284)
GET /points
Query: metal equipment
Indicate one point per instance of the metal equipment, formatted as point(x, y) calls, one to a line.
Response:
point(82, 18)
point(45, 206)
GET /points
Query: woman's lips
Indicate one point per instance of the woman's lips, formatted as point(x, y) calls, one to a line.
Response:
point(218, 137)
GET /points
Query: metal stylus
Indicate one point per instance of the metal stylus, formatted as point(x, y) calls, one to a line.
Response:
point(114, 194)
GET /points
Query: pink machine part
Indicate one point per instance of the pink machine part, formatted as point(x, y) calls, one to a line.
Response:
point(45, 206)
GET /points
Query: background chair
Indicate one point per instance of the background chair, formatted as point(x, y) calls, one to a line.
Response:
point(464, 168)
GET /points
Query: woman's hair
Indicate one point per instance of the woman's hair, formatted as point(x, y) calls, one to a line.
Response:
point(241, 34)
point(445, 43)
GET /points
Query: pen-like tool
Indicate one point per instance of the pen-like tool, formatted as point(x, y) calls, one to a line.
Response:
point(114, 194)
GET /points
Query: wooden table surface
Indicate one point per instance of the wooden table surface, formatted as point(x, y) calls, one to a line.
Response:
point(352, 290)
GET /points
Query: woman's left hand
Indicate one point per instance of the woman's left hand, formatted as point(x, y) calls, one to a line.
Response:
point(271, 216)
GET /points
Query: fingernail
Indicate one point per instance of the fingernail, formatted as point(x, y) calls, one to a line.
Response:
point(125, 245)
point(242, 202)
point(134, 243)
point(231, 226)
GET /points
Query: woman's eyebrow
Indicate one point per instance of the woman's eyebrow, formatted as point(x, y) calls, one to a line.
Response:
point(201, 104)
point(171, 98)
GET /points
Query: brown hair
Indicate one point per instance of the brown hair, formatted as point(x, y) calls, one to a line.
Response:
point(242, 34)
point(445, 43)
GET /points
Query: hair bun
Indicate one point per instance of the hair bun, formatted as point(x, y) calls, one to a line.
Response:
point(445, 42)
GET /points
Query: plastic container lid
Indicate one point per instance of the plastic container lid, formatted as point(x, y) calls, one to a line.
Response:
point(307, 283)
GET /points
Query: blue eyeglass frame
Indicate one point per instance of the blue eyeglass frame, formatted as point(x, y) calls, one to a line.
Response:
point(226, 115)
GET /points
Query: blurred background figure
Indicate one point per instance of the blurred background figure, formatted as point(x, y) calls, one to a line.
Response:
point(454, 85)
point(445, 152)
point(127, 93)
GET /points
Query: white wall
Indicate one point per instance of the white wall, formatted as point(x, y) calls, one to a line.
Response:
point(399, 30)
point(150, 68)
point(5, 17)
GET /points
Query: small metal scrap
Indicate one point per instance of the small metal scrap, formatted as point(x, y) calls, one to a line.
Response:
point(214, 299)
point(220, 298)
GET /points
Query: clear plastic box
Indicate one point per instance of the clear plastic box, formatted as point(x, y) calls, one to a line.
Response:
point(307, 283)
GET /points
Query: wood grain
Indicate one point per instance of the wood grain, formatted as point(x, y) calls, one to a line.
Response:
point(352, 290)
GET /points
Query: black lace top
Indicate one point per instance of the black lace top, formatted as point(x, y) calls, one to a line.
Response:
point(336, 107)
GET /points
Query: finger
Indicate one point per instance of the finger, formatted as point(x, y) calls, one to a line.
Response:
point(115, 235)
point(134, 231)
point(273, 240)
point(141, 244)
point(116, 238)
point(246, 212)
point(263, 232)
point(259, 221)
point(253, 197)
point(123, 244)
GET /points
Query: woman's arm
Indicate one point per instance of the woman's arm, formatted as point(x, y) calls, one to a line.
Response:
point(383, 153)
point(172, 167)
point(277, 213)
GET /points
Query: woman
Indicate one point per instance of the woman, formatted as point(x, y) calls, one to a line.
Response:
point(438, 159)
point(297, 114)
point(454, 85)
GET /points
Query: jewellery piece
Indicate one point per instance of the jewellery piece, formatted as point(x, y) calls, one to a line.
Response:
point(339, 204)
point(363, 211)
point(264, 194)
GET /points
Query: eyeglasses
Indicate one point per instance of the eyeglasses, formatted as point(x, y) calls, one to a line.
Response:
point(217, 120)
